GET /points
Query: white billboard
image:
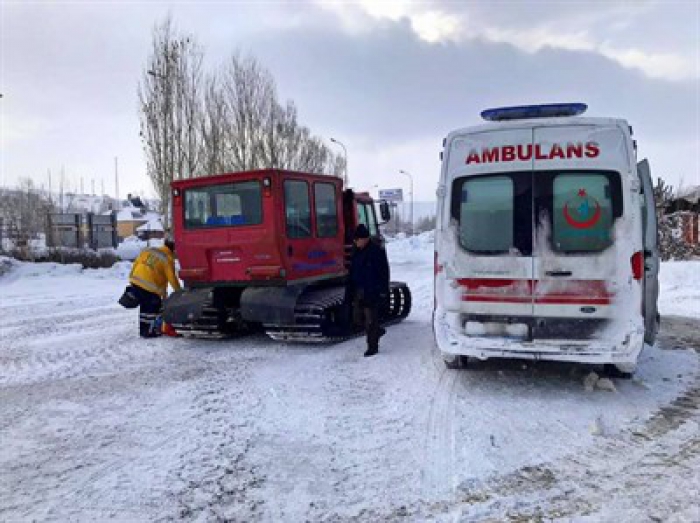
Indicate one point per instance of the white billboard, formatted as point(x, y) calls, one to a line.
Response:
point(391, 195)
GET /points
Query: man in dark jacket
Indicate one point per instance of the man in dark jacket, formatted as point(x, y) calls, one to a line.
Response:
point(368, 285)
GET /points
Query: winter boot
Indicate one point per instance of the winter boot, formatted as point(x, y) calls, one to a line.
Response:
point(371, 352)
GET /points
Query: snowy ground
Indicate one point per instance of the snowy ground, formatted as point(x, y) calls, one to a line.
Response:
point(98, 424)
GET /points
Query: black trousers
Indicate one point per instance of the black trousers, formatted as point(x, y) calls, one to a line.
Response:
point(151, 306)
point(366, 314)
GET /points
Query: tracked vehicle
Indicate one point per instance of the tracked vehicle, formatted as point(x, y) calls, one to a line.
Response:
point(269, 250)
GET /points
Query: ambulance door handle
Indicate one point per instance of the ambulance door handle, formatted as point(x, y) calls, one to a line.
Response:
point(558, 273)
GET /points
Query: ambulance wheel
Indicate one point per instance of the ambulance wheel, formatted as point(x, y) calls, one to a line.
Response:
point(456, 362)
point(624, 372)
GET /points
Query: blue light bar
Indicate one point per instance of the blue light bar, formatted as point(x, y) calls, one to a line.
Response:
point(499, 114)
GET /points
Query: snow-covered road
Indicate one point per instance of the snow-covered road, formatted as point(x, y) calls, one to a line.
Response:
point(98, 424)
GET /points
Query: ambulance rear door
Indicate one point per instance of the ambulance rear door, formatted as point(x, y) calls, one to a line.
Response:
point(651, 253)
point(577, 188)
point(491, 206)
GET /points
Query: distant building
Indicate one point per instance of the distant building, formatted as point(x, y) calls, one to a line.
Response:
point(150, 230)
point(130, 218)
point(684, 209)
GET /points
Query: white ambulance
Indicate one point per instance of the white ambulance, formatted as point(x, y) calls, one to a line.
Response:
point(546, 240)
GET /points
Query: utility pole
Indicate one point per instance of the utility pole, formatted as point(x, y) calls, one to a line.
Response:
point(411, 178)
point(63, 173)
point(116, 180)
point(345, 152)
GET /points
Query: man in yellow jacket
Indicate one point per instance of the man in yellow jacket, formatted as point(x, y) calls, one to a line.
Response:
point(153, 269)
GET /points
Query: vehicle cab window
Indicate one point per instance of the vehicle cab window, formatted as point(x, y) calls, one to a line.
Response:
point(223, 205)
point(366, 216)
point(326, 208)
point(297, 209)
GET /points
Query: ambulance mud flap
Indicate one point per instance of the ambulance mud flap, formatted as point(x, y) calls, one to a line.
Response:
point(186, 306)
point(270, 305)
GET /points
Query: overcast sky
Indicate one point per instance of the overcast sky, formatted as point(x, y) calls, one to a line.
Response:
point(388, 79)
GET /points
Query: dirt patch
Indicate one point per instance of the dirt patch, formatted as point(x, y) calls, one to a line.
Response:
point(679, 332)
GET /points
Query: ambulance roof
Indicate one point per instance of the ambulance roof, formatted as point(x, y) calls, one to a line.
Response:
point(541, 122)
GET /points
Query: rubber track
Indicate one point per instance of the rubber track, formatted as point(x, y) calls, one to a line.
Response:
point(206, 327)
point(318, 310)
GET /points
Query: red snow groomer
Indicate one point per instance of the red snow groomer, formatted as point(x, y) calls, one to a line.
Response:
point(269, 250)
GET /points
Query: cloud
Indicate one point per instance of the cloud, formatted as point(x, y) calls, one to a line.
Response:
point(592, 30)
point(655, 65)
point(391, 97)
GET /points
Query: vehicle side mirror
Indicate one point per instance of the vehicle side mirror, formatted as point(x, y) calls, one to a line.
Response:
point(384, 211)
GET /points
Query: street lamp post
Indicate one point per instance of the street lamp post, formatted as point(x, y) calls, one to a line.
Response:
point(410, 178)
point(345, 152)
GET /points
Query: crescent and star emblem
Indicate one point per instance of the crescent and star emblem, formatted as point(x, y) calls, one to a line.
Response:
point(583, 210)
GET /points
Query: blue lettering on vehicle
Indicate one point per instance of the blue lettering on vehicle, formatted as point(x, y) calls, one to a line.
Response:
point(314, 266)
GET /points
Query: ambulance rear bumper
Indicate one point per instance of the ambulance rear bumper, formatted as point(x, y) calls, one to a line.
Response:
point(621, 348)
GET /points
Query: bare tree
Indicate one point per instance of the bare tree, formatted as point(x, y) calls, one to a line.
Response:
point(230, 121)
point(249, 92)
point(214, 127)
point(24, 212)
point(262, 133)
point(171, 109)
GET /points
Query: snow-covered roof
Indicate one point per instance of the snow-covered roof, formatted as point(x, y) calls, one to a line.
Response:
point(135, 214)
point(151, 225)
point(691, 194)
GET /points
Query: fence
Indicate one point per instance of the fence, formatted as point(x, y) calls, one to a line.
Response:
point(102, 230)
point(75, 230)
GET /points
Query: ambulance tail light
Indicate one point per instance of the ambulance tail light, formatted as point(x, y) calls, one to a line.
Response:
point(436, 266)
point(637, 262)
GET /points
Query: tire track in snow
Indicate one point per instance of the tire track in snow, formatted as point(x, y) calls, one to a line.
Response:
point(216, 479)
point(34, 316)
point(438, 472)
point(599, 468)
point(585, 482)
point(64, 353)
point(578, 484)
point(85, 439)
point(65, 339)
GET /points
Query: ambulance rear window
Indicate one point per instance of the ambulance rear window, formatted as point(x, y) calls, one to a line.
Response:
point(574, 211)
point(491, 212)
point(582, 209)
point(577, 209)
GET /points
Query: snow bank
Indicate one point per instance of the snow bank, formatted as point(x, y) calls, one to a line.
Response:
point(119, 270)
point(679, 283)
point(130, 248)
point(415, 249)
point(7, 264)
point(30, 270)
